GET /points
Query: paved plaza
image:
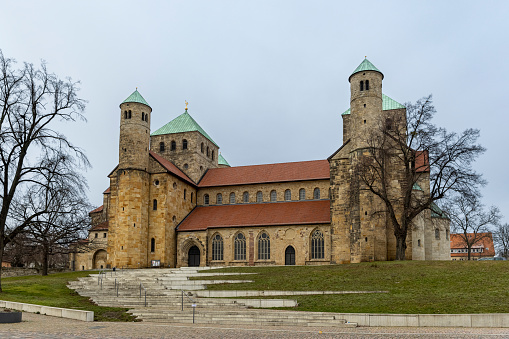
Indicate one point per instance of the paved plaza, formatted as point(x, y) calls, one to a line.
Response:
point(41, 326)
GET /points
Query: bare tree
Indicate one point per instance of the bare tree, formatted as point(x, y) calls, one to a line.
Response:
point(32, 101)
point(470, 219)
point(502, 239)
point(409, 149)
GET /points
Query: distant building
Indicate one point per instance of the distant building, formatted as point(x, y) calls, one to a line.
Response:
point(483, 248)
point(173, 200)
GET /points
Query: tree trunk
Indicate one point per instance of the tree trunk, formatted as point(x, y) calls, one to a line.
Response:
point(400, 246)
point(45, 259)
point(1, 259)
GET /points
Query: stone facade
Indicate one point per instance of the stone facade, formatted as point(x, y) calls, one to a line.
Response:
point(157, 186)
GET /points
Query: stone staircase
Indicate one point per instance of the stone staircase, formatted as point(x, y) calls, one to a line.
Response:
point(167, 295)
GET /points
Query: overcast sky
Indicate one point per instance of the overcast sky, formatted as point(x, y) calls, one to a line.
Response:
point(268, 80)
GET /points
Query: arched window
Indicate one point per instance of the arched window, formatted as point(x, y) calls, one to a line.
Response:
point(240, 247)
point(317, 248)
point(259, 196)
point(219, 198)
point(316, 193)
point(288, 195)
point(202, 147)
point(232, 198)
point(184, 144)
point(208, 151)
point(206, 199)
point(161, 146)
point(263, 246)
point(129, 115)
point(302, 194)
point(173, 145)
point(217, 247)
point(146, 117)
point(245, 197)
point(143, 116)
point(185, 193)
point(437, 234)
point(367, 85)
point(212, 154)
point(362, 86)
point(154, 205)
point(152, 245)
point(273, 195)
point(125, 114)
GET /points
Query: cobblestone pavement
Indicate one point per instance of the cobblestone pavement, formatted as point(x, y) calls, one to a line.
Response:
point(45, 327)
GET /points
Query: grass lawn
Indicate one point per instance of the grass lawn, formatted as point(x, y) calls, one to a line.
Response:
point(414, 286)
point(51, 290)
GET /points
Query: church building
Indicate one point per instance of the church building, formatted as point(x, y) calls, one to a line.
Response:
point(174, 201)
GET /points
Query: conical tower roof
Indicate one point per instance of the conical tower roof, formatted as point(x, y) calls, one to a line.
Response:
point(183, 123)
point(222, 161)
point(365, 65)
point(136, 97)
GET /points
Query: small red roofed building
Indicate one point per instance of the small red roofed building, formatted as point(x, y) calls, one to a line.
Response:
point(483, 248)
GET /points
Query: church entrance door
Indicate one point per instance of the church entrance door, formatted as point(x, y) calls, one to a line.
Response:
point(194, 257)
point(290, 256)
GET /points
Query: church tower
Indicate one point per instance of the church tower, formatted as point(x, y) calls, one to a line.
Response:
point(129, 184)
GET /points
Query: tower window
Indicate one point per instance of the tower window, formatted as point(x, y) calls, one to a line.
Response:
point(186, 166)
point(146, 117)
point(202, 147)
point(388, 124)
point(367, 85)
point(364, 121)
point(232, 198)
point(206, 199)
point(191, 196)
point(212, 154)
point(152, 245)
point(125, 114)
point(173, 145)
point(362, 86)
point(185, 192)
point(154, 207)
point(184, 144)
point(142, 116)
point(364, 105)
point(161, 147)
point(208, 151)
point(437, 234)
point(129, 115)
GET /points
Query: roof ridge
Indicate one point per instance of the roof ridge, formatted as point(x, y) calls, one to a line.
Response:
point(275, 163)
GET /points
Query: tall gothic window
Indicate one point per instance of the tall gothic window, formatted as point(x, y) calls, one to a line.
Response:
point(264, 246)
point(184, 144)
point(317, 245)
point(245, 197)
point(316, 193)
point(240, 247)
point(219, 198)
point(232, 198)
point(217, 247)
point(259, 196)
point(273, 195)
point(302, 194)
point(288, 195)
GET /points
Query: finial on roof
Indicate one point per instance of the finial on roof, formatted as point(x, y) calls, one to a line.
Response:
point(186, 104)
point(136, 88)
point(365, 57)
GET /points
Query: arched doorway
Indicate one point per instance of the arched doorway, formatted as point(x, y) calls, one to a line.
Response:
point(290, 256)
point(193, 257)
point(99, 259)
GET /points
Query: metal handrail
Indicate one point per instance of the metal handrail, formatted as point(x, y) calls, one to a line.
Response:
point(193, 302)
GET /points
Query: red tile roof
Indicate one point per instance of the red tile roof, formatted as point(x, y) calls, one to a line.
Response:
point(170, 167)
point(98, 209)
point(283, 172)
point(100, 227)
point(486, 242)
point(267, 214)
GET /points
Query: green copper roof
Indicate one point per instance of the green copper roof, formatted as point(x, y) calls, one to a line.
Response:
point(416, 187)
point(222, 161)
point(183, 123)
point(387, 104)
point(436, 212)
point(136, 97)
point(365, 65)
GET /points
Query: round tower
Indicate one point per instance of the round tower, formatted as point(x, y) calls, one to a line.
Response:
point(135, 115)
point(365, 102)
